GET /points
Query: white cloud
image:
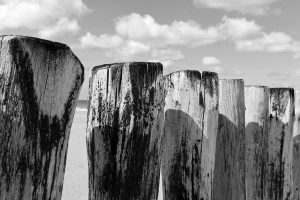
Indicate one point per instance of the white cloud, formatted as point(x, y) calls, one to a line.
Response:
point(210, 60)
point(129, 49)
point(247, 35)
point(272, 42)
point(62, 27)
point(218, 69)
point(41, 15)
point(167, 54)
point(146, 29)
point(238, 28)
point(254, 7)
point(104, 41)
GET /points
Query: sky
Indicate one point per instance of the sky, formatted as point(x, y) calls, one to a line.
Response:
point(254, 40)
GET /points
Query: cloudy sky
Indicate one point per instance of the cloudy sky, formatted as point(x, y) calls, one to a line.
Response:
point(257, 40)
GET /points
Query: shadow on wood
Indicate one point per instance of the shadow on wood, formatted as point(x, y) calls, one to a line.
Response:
point(296, 168)
point(229, 174)
point(256, 161)
point(280, 143)
point(182, 177)
point(257, 135)
point(189, 137)
point(125, 120)
point(229, 170)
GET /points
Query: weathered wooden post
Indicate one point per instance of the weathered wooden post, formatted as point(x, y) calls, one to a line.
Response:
point(189, 138)
point(257, 129)
point(280, 144)
point(229, 176)
point(125, 120)
point(296, 149)
point(39, 86)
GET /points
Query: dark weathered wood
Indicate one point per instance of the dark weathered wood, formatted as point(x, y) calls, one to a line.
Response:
point(229, 175)
point(296, 149)
point(280, 144)
point(39, 86)
point(125, 120)
point(189, 138)
point(257, 129)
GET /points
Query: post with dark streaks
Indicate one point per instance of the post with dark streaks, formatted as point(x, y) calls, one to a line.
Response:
point(189, 138)
point(125, 120)
point(229, 176)
point(296, 149)
point(39, 86)
point(280, 144)
point(257, 134)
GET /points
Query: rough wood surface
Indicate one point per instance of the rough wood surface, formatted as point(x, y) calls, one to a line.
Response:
point(296, 149)
point(229, 176)
point(257, 129)
point(189, 138)
point(280, 144)
point(125, 120)
point(39, 86)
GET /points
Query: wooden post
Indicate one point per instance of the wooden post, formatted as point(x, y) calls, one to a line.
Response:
point(280, 145)
point(189, 138)
point(257, 129)
point(296, 149)
point(39, 86)
point(229, 177)
point(125, 120)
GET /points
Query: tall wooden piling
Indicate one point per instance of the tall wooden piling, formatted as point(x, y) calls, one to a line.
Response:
point(39, 86)
point(280, 144)
point(229, 176)
point(189, 138)
point(257, 130)
point(296, 149)
point(125, 119)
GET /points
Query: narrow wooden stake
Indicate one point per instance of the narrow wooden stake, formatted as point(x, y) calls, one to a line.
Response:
point(296, 149)
point(229, 176)
point(280, 145)
point(39, 86)
point(257, 129)
point(125, 120)
point(189, 139)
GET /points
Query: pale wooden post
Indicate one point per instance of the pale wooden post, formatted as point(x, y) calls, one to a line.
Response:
point(189, 138)
point(280, 144)
point(125, 119)
point(257, 129)
point(39, 86)
point(296, 149)
point(229, 176)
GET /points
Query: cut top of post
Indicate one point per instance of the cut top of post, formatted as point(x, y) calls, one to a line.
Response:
point(297, 113)
point(121, 84)
point(50, 65)
point(282, 103)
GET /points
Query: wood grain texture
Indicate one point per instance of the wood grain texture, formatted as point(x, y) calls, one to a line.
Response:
point(296, 149)
point(229, 176)
point(280, 143)
point(257, 130)
point(189, 138)
point(125, 120)
point(39, 86)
